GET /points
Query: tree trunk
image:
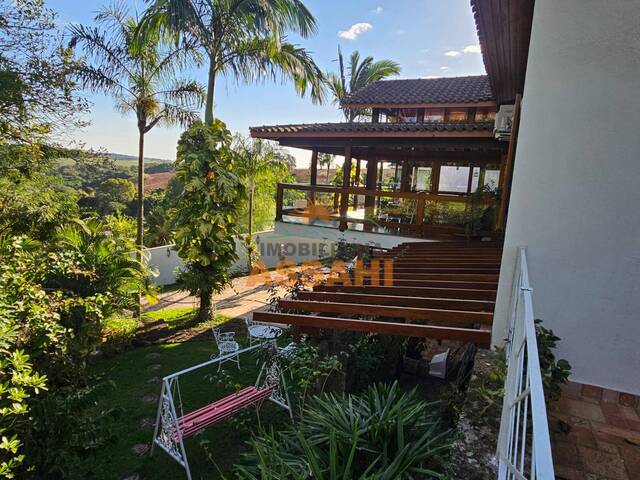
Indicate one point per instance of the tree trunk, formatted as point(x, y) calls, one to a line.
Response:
point(211, 88)
point(205, 310)
point(328, 168)
point(140, 216)
point(251, 211)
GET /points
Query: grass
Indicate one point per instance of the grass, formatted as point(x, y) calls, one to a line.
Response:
point(133, 376)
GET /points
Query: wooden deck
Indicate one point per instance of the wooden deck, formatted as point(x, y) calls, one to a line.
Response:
point(443, 290)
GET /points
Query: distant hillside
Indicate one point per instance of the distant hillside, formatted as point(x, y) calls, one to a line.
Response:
point(133, 158)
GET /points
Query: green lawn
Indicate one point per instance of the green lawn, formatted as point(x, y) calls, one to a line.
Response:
point(132, 373)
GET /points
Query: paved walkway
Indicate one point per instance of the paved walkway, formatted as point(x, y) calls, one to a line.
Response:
point(238, 300)
point(595, 434)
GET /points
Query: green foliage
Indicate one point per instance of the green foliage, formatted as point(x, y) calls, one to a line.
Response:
point(554, 373)
point(360, 75)
point(308, 370)
point(114, 195)
point(253, 254)
point(380, 434)
point(34, 205)
point(261, 166)
point(246, 40)
point(479, 218)
point(66, 429)
point(204, 214)
point(38, 98)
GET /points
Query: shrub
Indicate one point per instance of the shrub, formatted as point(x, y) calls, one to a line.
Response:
point(380, 434)
point(204, 214)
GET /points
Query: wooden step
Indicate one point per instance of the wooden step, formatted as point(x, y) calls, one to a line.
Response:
point(480, 336)
point(399, 301)
point(431, 292)
point(459, 277)
point(445, 284)
point(410, 313)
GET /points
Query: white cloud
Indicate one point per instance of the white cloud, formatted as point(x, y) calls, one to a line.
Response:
point(355, 30)
point(377, 10)
point(400, 31)
point(444, 68)
point(472, 49)
point(453, 53)
point(432, 77)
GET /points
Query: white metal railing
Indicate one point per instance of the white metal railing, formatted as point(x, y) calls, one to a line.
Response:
point(524, 448)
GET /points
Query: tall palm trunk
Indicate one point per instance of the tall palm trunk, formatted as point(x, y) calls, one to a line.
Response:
point(140, 216)
point(251, 190)
point(211, 88)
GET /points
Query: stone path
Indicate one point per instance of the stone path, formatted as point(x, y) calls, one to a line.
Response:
point(595, 434)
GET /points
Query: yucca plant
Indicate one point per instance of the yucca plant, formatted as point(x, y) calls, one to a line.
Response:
point(383, 433)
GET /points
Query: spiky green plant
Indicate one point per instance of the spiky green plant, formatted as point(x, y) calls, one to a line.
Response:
point(382, 433)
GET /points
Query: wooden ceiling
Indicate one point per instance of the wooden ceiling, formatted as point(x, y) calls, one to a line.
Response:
point(504, 30)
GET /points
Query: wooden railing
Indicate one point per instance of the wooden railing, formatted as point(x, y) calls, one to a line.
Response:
point(413, 213)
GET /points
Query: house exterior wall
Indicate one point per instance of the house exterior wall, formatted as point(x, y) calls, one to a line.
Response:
point(575, 198)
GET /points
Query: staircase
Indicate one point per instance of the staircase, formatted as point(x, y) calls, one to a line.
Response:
point(441, 290)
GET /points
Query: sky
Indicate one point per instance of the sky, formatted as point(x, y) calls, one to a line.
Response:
point(428, 38)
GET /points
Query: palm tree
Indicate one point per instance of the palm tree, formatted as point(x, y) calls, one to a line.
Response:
point(361, 74)
point(255, 158)
point(326, 160)
point(241, 38)
point(141, 80)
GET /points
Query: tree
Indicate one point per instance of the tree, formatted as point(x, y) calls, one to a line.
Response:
point(142, 80)
point(241, 38)
point(204, 213)
point(256, 158)
point(360, 74)
point(38, 97)
point(114, 194)
point(326, 160)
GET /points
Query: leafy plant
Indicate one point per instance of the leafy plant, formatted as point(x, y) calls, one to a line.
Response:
point(141, 80)
point(204, 214)
point(380, 434)
point(361, 74)
point(242, 39)
point(554, 373)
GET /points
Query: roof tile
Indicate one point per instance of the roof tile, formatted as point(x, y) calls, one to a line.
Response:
point(424, 91)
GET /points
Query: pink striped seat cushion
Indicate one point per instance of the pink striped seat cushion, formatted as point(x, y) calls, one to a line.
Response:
point(221, 409)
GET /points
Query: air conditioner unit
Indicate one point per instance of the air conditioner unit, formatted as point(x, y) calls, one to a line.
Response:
point(504, 122)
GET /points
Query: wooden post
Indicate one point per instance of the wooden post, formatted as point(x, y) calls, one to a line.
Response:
point(279, 200)
point(357, 184)
point(505, 188)
point(404, 181)
point(379, 184)
point(314, 174)
point(346, 184)
point(375, 115)
point(395, 177)
point(435, 177)
point(369, 201)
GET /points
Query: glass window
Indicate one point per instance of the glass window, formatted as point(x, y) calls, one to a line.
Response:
point(408, 115)
point(485, 115)
point(492, 178)
point(453, 179)
point(434, 115)
point(457, 115)
point(422, 179)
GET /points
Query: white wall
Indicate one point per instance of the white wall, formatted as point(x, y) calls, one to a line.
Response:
point(575, 199)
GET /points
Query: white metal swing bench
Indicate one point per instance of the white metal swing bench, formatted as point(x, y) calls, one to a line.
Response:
point(171, 430)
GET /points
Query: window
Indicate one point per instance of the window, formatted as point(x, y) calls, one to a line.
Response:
point(485, 115)
point(457, 115)
point(492, 178)
point(434, 115)
point(422, 179)
point(408, 115)
point(454, 179)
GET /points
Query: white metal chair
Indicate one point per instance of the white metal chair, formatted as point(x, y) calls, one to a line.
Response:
point(262, 332)
point(226, 345)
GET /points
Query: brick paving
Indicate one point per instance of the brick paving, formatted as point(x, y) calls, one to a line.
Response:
point(595, 434)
